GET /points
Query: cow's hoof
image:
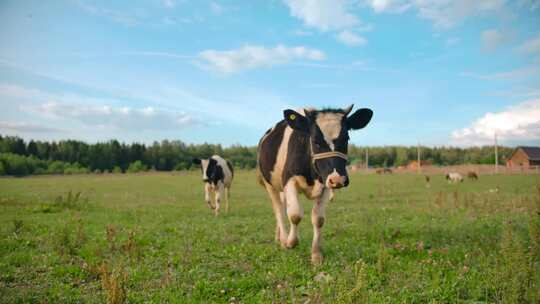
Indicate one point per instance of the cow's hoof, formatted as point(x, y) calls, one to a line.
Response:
point(316, 258)
point(292, 243)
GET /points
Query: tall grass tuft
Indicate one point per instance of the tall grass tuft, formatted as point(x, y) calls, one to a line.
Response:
point(513, 270)
point(70, 201)
point(18, 226)
point(534, 227)
point(111, 232)
point(114, 283)
point(382, 258)
point(360, 292)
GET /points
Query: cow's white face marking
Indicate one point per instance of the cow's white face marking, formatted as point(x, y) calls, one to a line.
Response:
point(331, 175)
point(330, 125)
point(204, 164)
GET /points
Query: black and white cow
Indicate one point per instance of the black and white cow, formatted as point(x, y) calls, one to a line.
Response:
point(217, 176)
point(306, 152)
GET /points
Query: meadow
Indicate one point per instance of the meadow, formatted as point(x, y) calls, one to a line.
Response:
point(150, 238)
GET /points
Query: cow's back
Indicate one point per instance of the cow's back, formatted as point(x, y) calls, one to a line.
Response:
point(227, 172)
point(268, 153)
point(282, 154)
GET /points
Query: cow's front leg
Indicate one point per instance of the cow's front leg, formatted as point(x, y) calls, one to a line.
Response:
point(294, 212)
point(220, 193)
point(208, 195)
point(317, 219)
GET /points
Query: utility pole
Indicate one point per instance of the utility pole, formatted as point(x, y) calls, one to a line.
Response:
point(496, 156)
point(367, 159)
point(419, 167)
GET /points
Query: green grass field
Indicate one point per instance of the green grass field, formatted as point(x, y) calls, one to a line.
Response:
point(151, 238)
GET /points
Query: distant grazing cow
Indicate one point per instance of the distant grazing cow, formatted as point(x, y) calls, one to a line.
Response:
point(454, 177)
point(217, 175)
point(472, 175)
point(383, 171)
point(306, 152)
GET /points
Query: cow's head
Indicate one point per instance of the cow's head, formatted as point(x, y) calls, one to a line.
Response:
point(328, 132)
point(209, 168)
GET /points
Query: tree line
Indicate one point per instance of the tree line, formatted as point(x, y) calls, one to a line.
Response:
point(18, 157)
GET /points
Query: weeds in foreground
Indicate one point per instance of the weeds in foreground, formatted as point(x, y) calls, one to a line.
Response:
point(516, 278)
point(114, 283)
point(359, 294)
point(382, 258)
point(111, 232)
point(534, 227)
point(17, 226)
point(70, 201)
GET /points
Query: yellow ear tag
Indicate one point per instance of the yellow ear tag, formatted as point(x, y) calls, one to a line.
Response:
point(292, 117)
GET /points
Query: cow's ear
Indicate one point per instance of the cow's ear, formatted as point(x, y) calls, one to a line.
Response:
point(296, 121)
point(359, 119)
point(196, 161)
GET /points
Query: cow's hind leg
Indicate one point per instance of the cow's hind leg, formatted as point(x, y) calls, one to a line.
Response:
point(227, 196)
point(294, 212)
point(220, 193)
point(279, 211)
point(209, 195)
point(283, 203)
point(318, 215)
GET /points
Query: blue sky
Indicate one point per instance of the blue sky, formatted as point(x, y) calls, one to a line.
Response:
point(437, 72)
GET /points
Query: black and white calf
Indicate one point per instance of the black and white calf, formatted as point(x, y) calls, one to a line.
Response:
point(306, 153)
point(217, 174)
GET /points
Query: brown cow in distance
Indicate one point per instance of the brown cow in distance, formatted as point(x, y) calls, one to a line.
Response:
point(472, 175)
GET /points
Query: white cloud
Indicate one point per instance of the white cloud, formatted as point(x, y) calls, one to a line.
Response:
point(216, 8)
point(169, 3)
point(517, 123)
point(395, 6)
point(331, 15)
point(530, 4)
point(530, 46)
point(126, 118)
point(452, 41)
point(127, 18)
point(25, 127)
point(324, 15)
point(250, 57)
point(524, 72)
point(93, 112)
point(493, 39)
point(351, 39)
point(443, 13)
point(302, 33)
point(520, 92)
